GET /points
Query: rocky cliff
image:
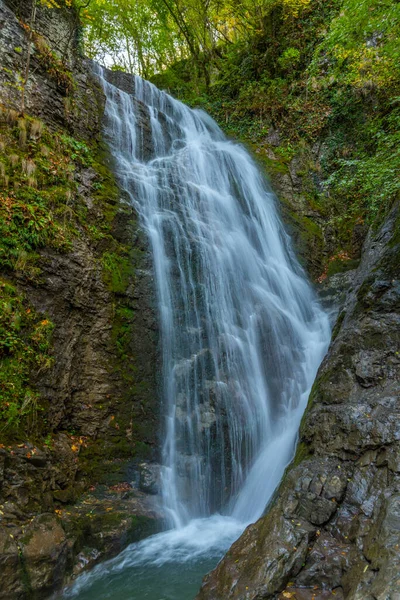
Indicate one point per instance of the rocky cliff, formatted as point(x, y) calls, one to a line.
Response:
point(333, 528)
point(78, 390)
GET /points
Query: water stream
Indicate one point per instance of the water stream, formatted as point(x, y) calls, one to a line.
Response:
point(242, 336)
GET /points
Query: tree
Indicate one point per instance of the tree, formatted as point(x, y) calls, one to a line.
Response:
point(147, 36)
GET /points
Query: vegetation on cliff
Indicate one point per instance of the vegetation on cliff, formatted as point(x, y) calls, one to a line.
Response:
point(77, 331)
point(43, 207)
point(39, 209)
point(62, 226)
point(311, 85)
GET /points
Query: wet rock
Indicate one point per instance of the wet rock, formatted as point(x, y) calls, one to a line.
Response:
point(240, 575)
point(150, 478)
point(333, 292)
point(123, 81)
point(208, 417)
point(314, 593)
point(2, 463)
point(10, 567)
point(106, 520)
point(326, 563)
point(45, 550)
point(85, 560)
point(36, 557)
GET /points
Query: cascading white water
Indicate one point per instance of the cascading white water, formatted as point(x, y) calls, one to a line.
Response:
point(242, 334)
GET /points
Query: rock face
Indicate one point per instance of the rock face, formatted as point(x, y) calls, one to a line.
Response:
point(99, 396)
point(333, 529)
point(46, 96)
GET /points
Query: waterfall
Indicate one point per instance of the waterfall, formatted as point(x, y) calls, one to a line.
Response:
point(242, 334)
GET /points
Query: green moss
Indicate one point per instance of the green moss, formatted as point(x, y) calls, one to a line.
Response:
point(92, 529)
point(39, 205)
point(24, 573)
point(364, 291)
point(117, 271)
point(321, 380)
point(395, 239)
point(142, 527)
point(106, 461)
point(308, 238)
point(41, 208)
point(272, 167)
point(25, 346)
point(338, 325)
point(302, 453)
point(341, 266)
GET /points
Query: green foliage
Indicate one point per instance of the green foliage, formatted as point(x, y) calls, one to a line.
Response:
point(363, 43)
point(36, 190)
point(40, 204)
point(40, 207)
point(26, 225)
point(133, 35)
point(150, 35)
point(289, 59)
point(116, 270)
point(25, 339)
point(78, 150)
point(316, 71)
point(48, 441)
point(369, 180)
point(357, 69)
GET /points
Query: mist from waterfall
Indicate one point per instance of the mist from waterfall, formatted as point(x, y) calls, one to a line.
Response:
point(242, 333)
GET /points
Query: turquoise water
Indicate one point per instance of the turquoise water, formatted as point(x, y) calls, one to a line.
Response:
point(166, 566)
point(150, 582)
